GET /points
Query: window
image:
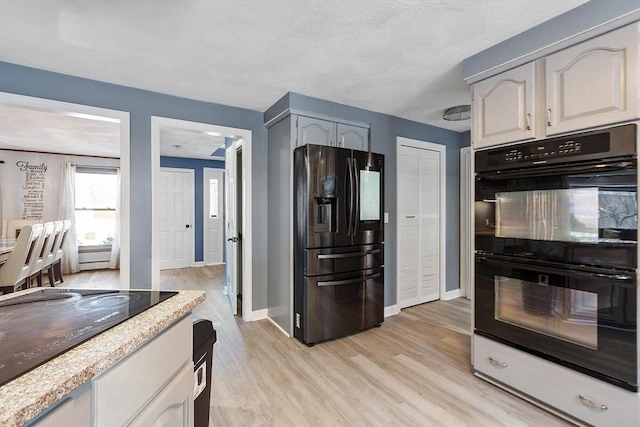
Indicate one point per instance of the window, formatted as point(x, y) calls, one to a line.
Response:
point(213, 198)
point(96, 197)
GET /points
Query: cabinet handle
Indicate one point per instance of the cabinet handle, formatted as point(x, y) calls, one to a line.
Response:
point(548, 116)
point(528, 121)
point(497, 363)
point(409, 216)
point(591, 404)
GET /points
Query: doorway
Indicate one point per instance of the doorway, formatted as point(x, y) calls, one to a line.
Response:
point(66, 113)
point(160, 124)
point(421, 221)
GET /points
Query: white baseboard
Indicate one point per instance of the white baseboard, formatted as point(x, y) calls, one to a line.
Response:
point(456, 293)
point(279, 327)
point(198, 264)
point(391, 310)
point(259, 314)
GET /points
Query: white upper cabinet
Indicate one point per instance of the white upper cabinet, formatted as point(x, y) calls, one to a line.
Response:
point(593, 83)
point(311, 130)
point(315, 131)
point(504, 107)
point(354, 137)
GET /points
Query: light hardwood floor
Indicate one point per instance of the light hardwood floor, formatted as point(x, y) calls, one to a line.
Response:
point(413, 371)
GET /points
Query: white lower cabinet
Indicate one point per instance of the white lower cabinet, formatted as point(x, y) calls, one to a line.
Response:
point(583, 397)
point(123, 391)
point(173, 406)
point(74, 410)
point(151, 387)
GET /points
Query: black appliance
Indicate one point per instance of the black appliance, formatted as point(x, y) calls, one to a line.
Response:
point(39, 326)
point(204, 338)
point(556, 250)
point(339, 251)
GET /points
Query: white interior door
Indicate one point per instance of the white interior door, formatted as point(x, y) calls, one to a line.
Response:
point(176, 218)
point(231, 228)
point(213, 216)
point(420, 222)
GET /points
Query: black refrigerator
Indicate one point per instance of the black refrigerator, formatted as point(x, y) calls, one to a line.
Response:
point(339, 242)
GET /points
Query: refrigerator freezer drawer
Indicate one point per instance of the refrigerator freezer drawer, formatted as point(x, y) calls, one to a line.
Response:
point(343, 259)
point(337, 305)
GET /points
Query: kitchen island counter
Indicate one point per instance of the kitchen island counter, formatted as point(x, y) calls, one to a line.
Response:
point(27, 396)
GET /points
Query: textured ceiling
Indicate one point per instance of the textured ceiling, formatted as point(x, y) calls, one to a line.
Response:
point(400, 57)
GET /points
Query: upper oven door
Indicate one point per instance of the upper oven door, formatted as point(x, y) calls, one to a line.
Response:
point(582, 318)
point(583, 213)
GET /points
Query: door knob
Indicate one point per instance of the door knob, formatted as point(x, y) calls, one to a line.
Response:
point(187, 226)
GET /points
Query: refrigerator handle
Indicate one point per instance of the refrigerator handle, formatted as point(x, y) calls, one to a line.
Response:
point(348, 281)
point(356, 198)
point(351, 198)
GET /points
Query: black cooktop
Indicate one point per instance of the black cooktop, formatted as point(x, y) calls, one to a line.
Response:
point(37, 327)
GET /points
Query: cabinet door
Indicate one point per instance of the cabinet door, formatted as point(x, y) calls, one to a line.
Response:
point(74, 410)
point(172, 407)
point(593, 83)
point(315, 131)
point(504, 107)
point(354, 137)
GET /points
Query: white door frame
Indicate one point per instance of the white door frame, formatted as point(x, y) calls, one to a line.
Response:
point(192, 216)
point(221, 189)
point(247, 192)
point(125, 161)
point(441, 149)
point(466, 217)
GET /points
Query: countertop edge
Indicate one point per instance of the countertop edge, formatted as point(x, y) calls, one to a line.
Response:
point(30, 394)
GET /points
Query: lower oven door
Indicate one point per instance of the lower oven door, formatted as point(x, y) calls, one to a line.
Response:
point(583, 319)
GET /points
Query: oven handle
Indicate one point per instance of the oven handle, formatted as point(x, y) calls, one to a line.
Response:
point(528, 172)
point(541, 267)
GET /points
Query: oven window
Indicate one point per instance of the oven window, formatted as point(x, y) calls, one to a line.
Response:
point(554, 215)
point(567, 314)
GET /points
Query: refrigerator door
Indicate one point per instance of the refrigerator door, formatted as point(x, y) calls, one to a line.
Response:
point(340, 304)
point(342, 259)
point(321, 196)
point(367, 221)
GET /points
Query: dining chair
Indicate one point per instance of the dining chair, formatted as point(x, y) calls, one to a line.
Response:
point(15, 225)
point(57, 261)
point(50, 255)
point(15, 271)
point(36, 262)
point(36, 266)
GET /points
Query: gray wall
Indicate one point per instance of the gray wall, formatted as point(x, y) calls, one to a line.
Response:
point(384, 130)
point(141, 105)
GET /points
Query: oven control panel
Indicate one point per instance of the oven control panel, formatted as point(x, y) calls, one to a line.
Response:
point(594, 145)
point(544, 151)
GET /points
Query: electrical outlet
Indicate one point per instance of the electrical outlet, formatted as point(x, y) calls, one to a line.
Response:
point(386, 217)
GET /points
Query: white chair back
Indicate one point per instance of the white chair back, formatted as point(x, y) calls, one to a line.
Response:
point(63, 236)
point(37, 260)
point(56, 242)
point(15, 225)
point(16, 269)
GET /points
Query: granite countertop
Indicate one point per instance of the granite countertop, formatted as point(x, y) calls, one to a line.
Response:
point(30, 394)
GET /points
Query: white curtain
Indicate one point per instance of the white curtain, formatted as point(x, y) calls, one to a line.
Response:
point(66, 210)
point(114, 259)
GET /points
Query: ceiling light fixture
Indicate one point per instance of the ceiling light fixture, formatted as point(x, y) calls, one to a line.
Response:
point(457, 113)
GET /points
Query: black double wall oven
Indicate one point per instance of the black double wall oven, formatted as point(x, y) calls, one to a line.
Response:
point(556, 251)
